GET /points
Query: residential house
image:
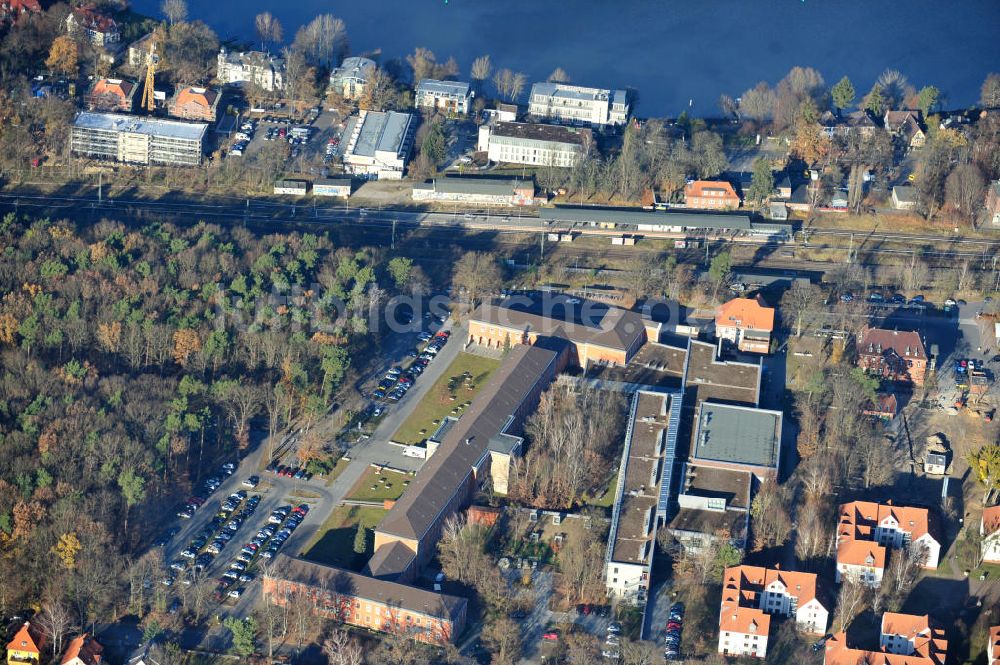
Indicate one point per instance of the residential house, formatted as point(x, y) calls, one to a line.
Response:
point(446, 96)
point(777, 210)
point(751, 594)
point(149, 653)
point(379, 144)
point(885, 407)
point(711, 195)
point(989, 530)
point(860, 122)
point(993, 203)
point(904, 639)
point(892, 355)
point(262, 69)
point(506, 112)
point(866, 531)
point(10, 10)
point(140, 50)
point(577, 105)
point(906, 127)
point(101, 29)
point(534, 144)
point(111, 95)
point(350, 78)
point(993, 648)
point(25, 646)
point(783, 188)
point(747, 323)
point(904, 197)
point(83, 650)
point(194, 103)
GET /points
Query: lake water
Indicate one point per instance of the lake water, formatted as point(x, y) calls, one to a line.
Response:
point(673, 52)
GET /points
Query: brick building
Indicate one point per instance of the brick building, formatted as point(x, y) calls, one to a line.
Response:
point(111, 95)
point(367, 602)
point(893, 355)
point(711, 195)
point(866, 531)
point(750, 595)
point(193, 103)
point(597, 333)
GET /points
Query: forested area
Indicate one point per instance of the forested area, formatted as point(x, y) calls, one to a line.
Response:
point(130, 359)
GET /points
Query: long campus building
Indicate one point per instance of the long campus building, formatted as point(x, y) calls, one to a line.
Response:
point(367, 602)
point(480, 445)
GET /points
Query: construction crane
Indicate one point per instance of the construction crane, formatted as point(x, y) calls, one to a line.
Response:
point(148, 100)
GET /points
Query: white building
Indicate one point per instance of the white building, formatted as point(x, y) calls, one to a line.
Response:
point(989, 529)
point(137, 139)
point(291, 187)
point(337, 187)
point(489, 191)
point(447, 96)
point(576, 105)
point(379, 144)
point(867, 530)
point(349, 80)
point(100, 29)
point(536, 145)
point(750, 595)
point(258, 67)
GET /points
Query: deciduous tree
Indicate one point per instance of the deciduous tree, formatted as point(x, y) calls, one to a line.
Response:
point(64, 56)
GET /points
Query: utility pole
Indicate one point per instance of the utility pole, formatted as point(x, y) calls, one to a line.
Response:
point(850, 249)
point(100, 184)
point(541, 256)
point(393, 245)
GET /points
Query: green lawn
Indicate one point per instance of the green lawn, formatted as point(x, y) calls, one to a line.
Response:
point(466, 375)
point(334, 544)
point(375, 486)
point(607, 498)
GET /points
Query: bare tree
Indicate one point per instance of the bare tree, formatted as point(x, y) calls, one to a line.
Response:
point(342, 649)
point(175, 10)
point(477, 274)
point(56, 621)
point(422, 61)
point(509, 84)
point(851, 600)
point(380, 91)
point(323, 40)
point(269, 29)
point(964, 190)
point(559, 75)
point(801, 304)
point(481, 69)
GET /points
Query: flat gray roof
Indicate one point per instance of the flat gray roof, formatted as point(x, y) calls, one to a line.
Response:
point(432, 86)
point(382, 131)
point(577, 92)
point(484, 186)
point(538, 132)
point(136, 124)
point(636, 216)
point(738, 435)
point(332, 182)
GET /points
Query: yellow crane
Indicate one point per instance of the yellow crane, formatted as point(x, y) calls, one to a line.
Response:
point(148, 101)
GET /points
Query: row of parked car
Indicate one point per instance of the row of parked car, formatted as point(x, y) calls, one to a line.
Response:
point(265, 545)
point(187, 510)
point(288, 471)
point(672, 638)
point(211, 540)
point(612, 643)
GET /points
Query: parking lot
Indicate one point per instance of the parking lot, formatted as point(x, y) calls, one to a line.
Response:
point(315, 141)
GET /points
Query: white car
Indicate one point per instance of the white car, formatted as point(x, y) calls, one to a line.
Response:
point(235, 593)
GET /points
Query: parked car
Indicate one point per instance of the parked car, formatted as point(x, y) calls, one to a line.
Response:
point(251, 482)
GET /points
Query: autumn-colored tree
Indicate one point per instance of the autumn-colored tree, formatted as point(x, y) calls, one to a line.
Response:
point(64, 56)
point(110, 335)
point(8, 327)
point(67, 548)
point(27, 515)
point(186, 343)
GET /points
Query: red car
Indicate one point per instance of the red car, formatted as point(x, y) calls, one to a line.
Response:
point(673, 625)
point(551, 636)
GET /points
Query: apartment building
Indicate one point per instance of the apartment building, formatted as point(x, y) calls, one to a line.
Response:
point(262, 69)
point(751, 594)
point(647, 465)
point(993, 648)
point(577, 105)
point(195, 103)
point(137, 140)
point(711, 195)
point(597, 333)
point(867, 531)
point(534, 144)
point(379, 144)
point(904, 639)
point(111, 95)
point(445, 96)
point(367, 602)
point(746, 322)
point(350, 78)
point(894, 355)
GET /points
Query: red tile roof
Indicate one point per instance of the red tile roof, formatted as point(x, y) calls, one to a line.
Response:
point(991, 520)
point(199, 96)
point(746, 313)
point(26, 639)
point(86, 649)
point(905, 344)
point(993, 650)
point(20, 7)
point(117, 87)
point(710, 188)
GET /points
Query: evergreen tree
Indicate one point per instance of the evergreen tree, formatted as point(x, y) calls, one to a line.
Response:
point(843, 93)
